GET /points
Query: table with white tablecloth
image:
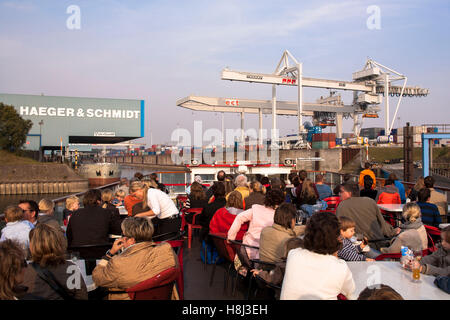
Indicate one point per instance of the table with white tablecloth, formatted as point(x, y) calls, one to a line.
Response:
point(391, 273)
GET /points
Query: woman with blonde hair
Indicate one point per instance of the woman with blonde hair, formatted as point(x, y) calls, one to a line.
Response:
point(257, 195)
point(107, 197)
point(72, 205)
point(136, 201)
point(46, 210)
point(48, 275)
point(413, 234)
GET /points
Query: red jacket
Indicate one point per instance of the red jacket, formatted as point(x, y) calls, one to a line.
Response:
point(222, 221)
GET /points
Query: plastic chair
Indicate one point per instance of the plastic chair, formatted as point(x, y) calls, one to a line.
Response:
point(181, 200)
point(159, 287)
point(226, 251)
point(434, 237)
point(275, 290)
point(191, 226)
point(246, 262)
point(332, 202)
point(176, 242)
point(397, 256)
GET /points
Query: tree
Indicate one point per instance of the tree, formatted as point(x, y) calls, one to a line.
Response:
point(13, 128)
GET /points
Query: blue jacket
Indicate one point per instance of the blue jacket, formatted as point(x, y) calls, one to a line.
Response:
point(401, 190)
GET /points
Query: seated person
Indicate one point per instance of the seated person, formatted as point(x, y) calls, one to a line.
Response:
point(137, 192)
point(379, 292)
point(437, 263)
point(323, 189)
point(48, 249)
point(315, 272)
point(272, 242)
point(309, 199)
point(276, 274)
point(46, 210)
point(388, 194)
point(224, 217)
point(12, 269)
point(400, 187)
point(258, 217)
point(92, 224)
point(367, 191)
point(16, 228)
point(107, 198)
point(133, 258)
point(257, 194)
point(430, 212)
point(219, 201)
point(119, 197)
point(72, 205)
point(349, 251)
point(413, 234)
point(196, 199)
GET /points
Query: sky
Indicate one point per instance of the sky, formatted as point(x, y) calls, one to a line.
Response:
point(162, 51)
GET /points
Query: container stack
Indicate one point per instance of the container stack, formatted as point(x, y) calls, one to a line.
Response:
point(323, 140)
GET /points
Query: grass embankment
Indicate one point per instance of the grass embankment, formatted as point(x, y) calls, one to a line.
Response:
point(8, 158)
point(380, 154)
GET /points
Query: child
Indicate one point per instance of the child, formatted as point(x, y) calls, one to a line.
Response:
point(72, 205)
point(119, 197)
point(349, 251)
point(16, 228)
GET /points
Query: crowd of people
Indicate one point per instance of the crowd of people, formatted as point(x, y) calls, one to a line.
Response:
point(283, 224)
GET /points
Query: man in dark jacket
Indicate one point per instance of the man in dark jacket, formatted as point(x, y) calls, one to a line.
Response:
point(92, 225)
point(204, 219)
point(366, 214)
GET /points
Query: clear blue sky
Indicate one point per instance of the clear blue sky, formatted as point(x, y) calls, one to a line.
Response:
point(161, 51)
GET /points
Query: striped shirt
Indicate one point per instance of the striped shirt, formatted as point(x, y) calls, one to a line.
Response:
point(350, 252)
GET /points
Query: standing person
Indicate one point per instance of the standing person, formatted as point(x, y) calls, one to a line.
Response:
point(258, 217)
point(141, 258)
point(92, 225)
point(46, 210)
point(437, 198)
point(400, 187)
point(30, 209)
point(316, 272)
point(420, 184)
point(16, 228)
point(388, 194)
point(366, 214)
point(367, 171)
point(430, 212)
point(163, 212)
point(367, 191)
point(209, 211)
point(256, 196)
point(48, 248)
point(12, 270)
point(323, 189)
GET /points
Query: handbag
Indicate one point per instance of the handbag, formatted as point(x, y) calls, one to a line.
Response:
point(50, 279)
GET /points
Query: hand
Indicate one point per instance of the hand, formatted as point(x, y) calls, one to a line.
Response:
point(397, 230)
point(118, 244)
point(255, 271)
point(369, 259)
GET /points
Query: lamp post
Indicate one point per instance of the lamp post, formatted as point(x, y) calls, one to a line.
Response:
point(40, 139)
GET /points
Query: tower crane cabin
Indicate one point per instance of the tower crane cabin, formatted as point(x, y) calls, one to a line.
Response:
point(371, 86)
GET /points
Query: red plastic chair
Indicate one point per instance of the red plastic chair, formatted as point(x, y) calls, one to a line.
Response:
point(341, 297)
point(191, 226)
point(181, 200)
point(434, 236)
point(332, 202)
point(397, 256)
point(225, 251)
point(159, 287)
point(389, 217)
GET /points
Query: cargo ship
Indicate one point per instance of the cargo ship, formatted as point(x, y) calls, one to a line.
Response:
point(100, 174)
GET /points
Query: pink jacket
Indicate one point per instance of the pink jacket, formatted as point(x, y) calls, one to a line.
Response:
point(259, 217)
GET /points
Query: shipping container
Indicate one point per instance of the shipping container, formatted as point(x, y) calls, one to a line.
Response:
point(320, 144)
point(331, 144)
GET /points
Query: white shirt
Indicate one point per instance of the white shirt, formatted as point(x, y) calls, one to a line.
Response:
point(161, 204)
point(313, 276)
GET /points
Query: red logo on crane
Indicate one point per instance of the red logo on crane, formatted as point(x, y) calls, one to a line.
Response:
point(232, 102)
point(289, 81)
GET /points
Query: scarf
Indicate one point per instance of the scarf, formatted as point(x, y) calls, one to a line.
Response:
point(411, 225)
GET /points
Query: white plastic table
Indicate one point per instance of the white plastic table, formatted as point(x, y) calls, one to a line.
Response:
point(391, 207)
point(87, 279)
point(392, 274)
